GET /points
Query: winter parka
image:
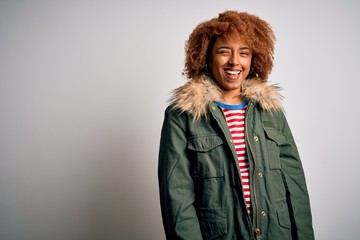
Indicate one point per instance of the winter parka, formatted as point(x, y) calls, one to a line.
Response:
point(199, 180)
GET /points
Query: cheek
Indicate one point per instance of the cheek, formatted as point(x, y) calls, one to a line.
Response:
point(216, 62)
point(247, 64)
point(215, 66)
point(215, 72)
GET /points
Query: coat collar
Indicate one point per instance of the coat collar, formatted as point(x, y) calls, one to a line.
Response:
point(195, 95)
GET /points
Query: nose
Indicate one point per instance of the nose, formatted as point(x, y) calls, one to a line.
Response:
point(234, 60)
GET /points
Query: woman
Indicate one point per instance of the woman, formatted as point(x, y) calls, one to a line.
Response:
point(228, 164)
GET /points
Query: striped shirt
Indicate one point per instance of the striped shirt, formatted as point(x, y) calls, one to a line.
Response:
point(235, 118)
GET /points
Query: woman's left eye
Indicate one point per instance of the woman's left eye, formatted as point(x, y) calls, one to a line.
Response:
point(244, 53)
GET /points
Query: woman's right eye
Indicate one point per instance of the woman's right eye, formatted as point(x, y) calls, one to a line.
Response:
point(224, 52)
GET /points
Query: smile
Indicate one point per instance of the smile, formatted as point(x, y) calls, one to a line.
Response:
point(232, 72)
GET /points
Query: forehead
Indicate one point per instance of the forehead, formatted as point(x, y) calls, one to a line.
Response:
point(231, 39)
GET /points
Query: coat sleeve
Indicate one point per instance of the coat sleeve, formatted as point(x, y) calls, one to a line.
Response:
point(176, 186)
point(297, 193)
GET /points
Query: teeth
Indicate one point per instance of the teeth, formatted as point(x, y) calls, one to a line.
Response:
point(232, 72)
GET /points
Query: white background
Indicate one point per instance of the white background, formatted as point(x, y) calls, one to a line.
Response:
point(83, 87)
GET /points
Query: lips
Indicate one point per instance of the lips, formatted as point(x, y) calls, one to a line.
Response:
point(232, 73)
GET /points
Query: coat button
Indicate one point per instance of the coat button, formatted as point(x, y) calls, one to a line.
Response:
point(263, 213)
point(260, 174)
point(231, 141)
point(213, 108)
point(256, 138)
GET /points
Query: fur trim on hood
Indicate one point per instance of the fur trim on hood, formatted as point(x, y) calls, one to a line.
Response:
point(195, 95)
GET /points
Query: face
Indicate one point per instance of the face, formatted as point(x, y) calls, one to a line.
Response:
point(230, 62)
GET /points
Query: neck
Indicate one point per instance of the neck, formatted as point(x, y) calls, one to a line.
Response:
point(232, 99)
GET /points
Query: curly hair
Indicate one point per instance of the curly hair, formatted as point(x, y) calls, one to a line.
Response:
point(257, 33)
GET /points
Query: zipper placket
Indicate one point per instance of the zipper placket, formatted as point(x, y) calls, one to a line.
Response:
point(256, 230)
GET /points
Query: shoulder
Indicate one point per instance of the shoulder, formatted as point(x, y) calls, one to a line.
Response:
point(272, 119)
point(175, 116)
point(267, 96)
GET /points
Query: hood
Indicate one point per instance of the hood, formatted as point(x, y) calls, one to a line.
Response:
point(195, 95)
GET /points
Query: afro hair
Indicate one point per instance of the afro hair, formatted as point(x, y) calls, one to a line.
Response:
point(257, 33)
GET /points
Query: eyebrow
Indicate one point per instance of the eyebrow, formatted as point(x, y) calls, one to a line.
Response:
point(242, 48)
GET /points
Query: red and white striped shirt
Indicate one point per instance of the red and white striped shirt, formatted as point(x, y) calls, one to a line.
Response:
point(235, 118)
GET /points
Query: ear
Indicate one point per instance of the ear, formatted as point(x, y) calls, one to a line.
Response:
point(252, 73)
point(208, 67)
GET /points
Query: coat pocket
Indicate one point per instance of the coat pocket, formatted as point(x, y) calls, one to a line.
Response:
point(284, 218)
point(275, 140)
point(213, 223)
point(208, 155)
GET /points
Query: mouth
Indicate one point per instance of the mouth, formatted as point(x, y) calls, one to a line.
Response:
point(233, 74)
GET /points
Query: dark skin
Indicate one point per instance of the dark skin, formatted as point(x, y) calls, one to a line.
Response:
point(230, 63)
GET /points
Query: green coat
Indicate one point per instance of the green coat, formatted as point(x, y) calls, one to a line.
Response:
point(199, 180)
